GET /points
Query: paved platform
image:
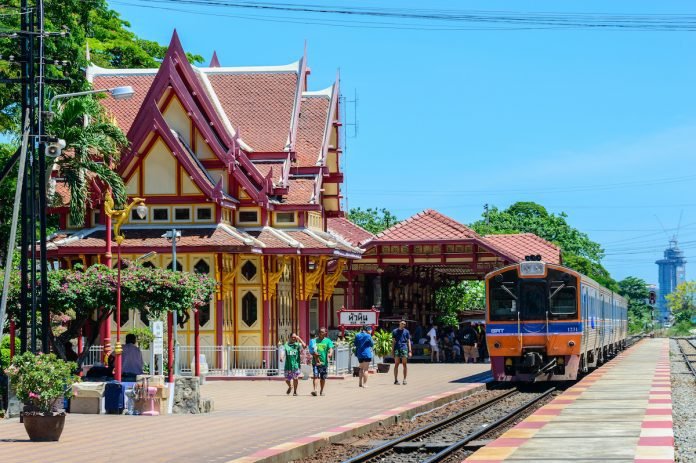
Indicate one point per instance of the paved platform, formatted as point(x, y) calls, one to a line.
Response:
point(254, 421)
point(620, 413)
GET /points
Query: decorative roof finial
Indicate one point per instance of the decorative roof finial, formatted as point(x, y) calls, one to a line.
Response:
point(214, 62)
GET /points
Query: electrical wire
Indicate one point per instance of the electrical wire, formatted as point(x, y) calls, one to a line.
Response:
point(485, 19)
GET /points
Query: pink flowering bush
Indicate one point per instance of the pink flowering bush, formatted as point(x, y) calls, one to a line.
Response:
point(41, 379)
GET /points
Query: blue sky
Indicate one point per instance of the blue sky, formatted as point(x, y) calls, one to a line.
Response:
point(599, 124)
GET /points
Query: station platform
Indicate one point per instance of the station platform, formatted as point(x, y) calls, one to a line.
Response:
point(253, 421)
point(620, 413)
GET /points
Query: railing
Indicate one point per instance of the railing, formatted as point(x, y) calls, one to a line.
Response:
point(242, 360)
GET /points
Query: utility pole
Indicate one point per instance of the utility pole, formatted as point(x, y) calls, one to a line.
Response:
point(33, 80)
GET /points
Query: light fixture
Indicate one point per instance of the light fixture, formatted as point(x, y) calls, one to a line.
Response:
point(121, 93)
point(141, 210)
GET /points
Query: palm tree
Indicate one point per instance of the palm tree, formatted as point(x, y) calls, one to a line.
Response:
point(93, 146)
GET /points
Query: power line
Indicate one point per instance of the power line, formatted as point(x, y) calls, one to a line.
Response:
point(424, 18)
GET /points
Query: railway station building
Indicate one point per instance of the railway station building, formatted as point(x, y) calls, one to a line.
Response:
point(246, 163)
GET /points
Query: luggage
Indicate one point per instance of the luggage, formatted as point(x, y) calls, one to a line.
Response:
point(113, 397)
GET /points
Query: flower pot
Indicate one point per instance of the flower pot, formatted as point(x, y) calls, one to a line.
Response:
point(383, 367)
point(44, 427)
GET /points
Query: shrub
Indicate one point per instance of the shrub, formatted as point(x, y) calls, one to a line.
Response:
point(383, 343)
point(41, 379)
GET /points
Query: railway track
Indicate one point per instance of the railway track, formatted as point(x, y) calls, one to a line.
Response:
point(438, 441)
point(687, 347)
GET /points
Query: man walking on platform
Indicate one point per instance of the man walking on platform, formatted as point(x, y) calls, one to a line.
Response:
point(401, 350)
point(363, 351)
point(469, 340)
point(320, 361)
point(292, 362)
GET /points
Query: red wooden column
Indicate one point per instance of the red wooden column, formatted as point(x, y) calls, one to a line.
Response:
point(197, 340)
point(219, 312)
point(303, 306)
point(322, 305)
point(350, 296)
point(170, 346)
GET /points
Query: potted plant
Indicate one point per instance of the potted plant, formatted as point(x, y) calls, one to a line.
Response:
point(41, 381)
point(384, 342)
point(350, 339)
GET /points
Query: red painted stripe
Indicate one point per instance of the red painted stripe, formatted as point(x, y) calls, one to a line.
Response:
point(656, 424)
point(658, 411)
point(531, 425)
point(661, 441)
point(653, 460)
point(660, 401)
point(266, 453)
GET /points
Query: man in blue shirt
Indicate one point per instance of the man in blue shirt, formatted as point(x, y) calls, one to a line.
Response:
point(401, 350)
point(363, 350)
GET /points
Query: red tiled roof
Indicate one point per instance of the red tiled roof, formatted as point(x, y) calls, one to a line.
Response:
point(349, 231)
point(428, 225)
point(259, 105)
point(525, 244)
point(124, 111)
point(270, 239)
point(310, 130)
point(213, 237)
point(61, 195)
point(300, 191)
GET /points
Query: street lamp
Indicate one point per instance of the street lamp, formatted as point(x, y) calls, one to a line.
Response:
point(117, 93)
point(147, 255)
point(172, 235)
point(118, 217)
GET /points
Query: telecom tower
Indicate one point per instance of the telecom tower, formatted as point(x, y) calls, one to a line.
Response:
point(671, 272)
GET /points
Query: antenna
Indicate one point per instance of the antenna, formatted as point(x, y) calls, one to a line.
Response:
point(681, 214)
point(663, 227)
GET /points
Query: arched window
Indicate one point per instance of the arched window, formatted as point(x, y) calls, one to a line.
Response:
point(249, 309)
point(203, 268)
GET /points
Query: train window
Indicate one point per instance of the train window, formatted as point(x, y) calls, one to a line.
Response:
point(503, 297)
point(503, 304)
point(562, 302)
point(533, 297)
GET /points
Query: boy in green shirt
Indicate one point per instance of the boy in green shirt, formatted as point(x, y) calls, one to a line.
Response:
point(293, 348)
point(324, 351)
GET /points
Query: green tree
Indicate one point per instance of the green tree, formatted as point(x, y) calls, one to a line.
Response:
point(682, 303)
point(7, 192)
point(111, 42)
point(79, 298)
point(635, 290)
point(453, 299)
point(579, 251)
point(91, 151)
point(372, 220)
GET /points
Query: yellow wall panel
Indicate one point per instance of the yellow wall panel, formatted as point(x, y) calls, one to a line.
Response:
point(203, 150)
point(133, 186)
point(160, 171)
point(187, 185)
point(178, 120)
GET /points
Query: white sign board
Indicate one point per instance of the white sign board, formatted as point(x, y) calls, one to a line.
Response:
point(357, 317)
point(158, 329)
point(158, 346)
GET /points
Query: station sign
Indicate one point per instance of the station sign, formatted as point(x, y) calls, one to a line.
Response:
point(356, 318)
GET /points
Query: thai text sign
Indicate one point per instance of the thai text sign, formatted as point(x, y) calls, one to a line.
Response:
point(357, 317)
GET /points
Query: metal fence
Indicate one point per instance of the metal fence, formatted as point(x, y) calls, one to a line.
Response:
point(242, 360)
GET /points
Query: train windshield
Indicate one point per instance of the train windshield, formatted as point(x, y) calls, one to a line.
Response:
point(511, 297)
point(533, 295)
point(503, 296)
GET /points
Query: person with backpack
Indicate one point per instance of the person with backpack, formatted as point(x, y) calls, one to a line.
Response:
point(363, 351)
point(469, 343)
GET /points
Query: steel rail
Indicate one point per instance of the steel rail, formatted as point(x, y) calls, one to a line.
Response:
point(496, 424)
point(379, 450)
point(685, 356)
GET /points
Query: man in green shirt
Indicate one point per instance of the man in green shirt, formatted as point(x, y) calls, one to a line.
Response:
point(293, 349)
point(324, 351)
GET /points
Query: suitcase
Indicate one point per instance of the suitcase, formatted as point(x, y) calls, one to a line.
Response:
point(113, 397)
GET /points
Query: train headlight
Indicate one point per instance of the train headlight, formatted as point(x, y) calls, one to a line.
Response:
point(508, 362)
point(532, 268)
point(560, 360)
point(571, 343)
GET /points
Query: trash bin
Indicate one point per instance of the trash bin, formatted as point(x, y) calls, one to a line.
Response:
point(113, 398)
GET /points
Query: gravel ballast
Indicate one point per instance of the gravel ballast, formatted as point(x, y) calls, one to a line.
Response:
point(684, 406)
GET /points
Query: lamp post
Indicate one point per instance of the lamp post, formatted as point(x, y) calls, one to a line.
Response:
point(118, 218)
point(172, 235)
point(117, 93)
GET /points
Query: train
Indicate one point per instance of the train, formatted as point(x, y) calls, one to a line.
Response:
point(547, 322)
